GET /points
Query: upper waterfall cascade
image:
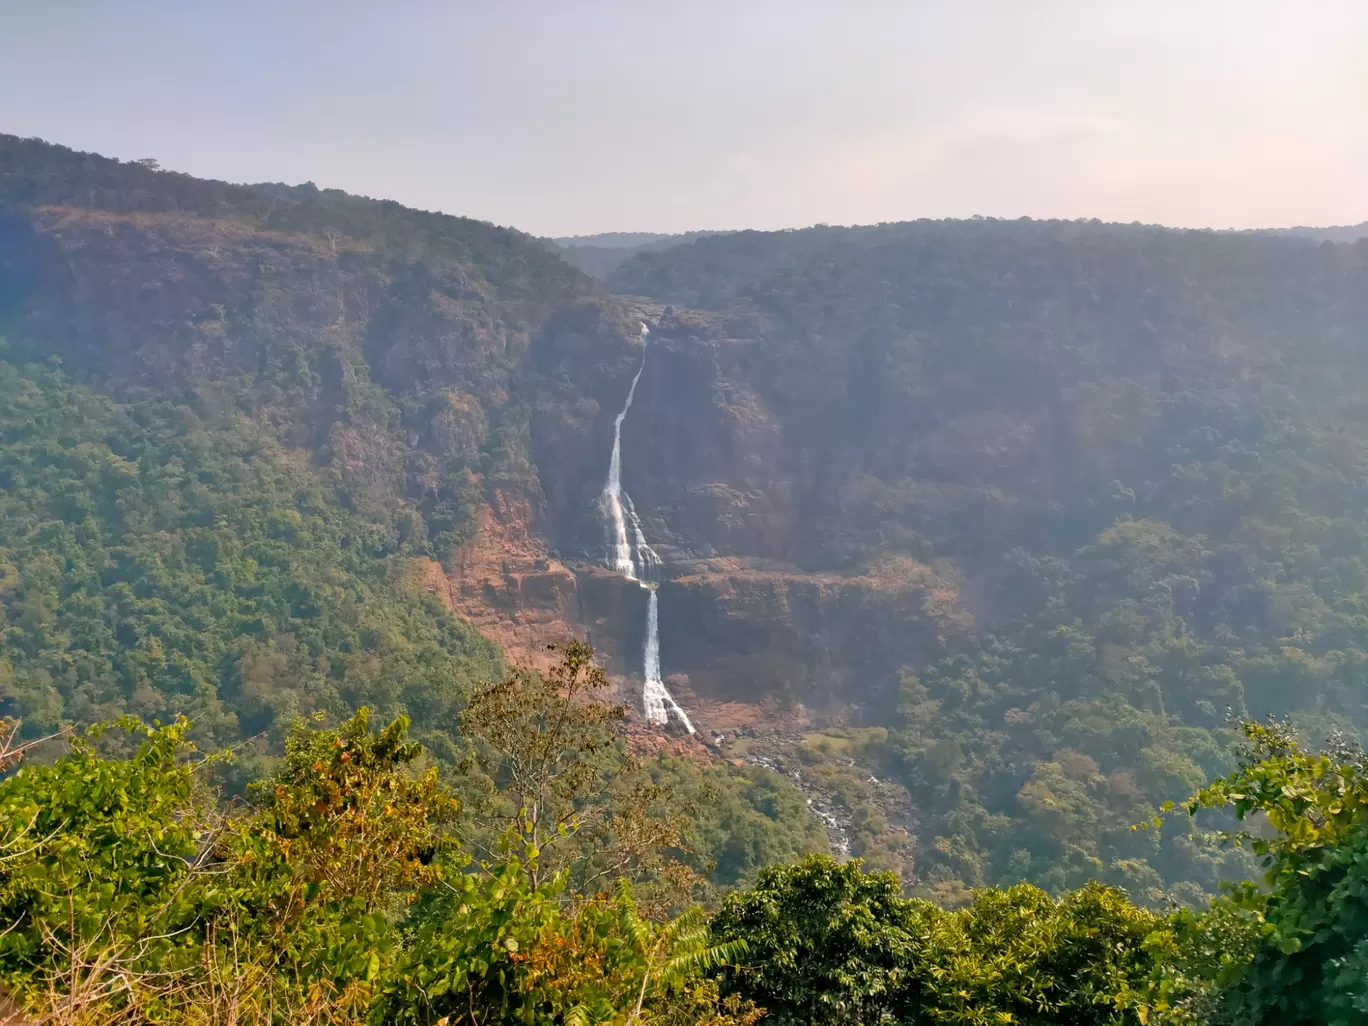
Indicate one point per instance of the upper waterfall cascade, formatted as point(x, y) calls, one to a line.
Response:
point(634, 559)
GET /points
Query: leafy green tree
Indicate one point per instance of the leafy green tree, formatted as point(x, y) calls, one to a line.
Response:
point(827, 943)
point(496, 947)
point(95, 852)
point(347, 835)
point(128, 894)
point(1019, 956)
point(565, 792)
point(1309, 965)
point(351, 818)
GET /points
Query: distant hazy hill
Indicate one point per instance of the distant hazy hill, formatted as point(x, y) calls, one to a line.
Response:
point(600, 255)
point(1334, 233)
point(620, 240)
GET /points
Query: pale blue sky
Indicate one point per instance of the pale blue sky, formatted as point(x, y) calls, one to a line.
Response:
point(572, 116)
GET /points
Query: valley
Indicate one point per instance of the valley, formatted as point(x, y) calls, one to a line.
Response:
point(1034, 510)
point(599, 514)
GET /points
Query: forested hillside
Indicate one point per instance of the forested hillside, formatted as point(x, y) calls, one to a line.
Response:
point(275, 431)
point(158, 563)
point(984, 534)
point(1142, 452)
point(244, 434)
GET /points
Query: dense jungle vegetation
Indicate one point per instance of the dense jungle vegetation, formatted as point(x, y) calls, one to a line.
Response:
point(351, 886)
point(154, 563)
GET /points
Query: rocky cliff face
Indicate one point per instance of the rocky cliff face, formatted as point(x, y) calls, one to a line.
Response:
point(725, 483)
point(749, 630)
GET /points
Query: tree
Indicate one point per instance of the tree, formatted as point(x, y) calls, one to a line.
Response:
point(95, 852)
point(828, 945)
point(347, 836)
point(121, 891)
point(350, 818)
point(568, 795)
point(496, 948)
point(1309, 963)
point(1019, 956)
point(126, 894)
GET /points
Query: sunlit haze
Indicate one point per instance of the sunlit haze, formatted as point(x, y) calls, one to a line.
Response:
point(561, 118)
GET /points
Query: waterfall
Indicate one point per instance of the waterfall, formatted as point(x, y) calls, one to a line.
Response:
point(614, 499)
point(654, 695)
point(635, 560)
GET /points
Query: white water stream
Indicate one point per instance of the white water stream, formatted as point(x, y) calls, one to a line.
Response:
point(655, 697)
point(635, 560)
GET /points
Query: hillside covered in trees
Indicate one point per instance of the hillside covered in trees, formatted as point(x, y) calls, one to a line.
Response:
point(1139, 452)
point(981, 538)
point(241, 431)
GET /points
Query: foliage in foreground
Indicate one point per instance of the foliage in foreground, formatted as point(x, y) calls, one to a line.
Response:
point(339, 893)
point(128, 897)
point(1307, 963)
point(830, 944)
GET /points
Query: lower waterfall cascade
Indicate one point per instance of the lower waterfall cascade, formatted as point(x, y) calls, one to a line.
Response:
point(630, 556)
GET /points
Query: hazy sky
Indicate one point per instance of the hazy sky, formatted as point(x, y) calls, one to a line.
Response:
point(576, 116)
